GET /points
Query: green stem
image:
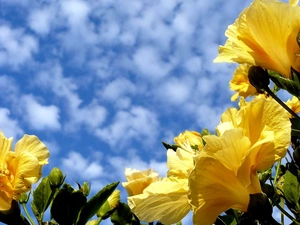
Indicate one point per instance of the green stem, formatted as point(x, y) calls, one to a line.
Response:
point(236, 216)
point(277, 172)
point(267, 89)
point(27, 214)
point(282, 215)
point(287, 214)
point(98, 220)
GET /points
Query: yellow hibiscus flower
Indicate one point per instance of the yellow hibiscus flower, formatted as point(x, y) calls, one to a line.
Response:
point(265, 34)
point(138, 180)
point(20, 168)
point(166, 200)
point(223, 177)
point(267, 126)
point(294, 105)
point(240, 83)
point(189, 141)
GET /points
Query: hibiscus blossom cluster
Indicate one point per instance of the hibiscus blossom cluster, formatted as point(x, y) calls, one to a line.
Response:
point(235, 175)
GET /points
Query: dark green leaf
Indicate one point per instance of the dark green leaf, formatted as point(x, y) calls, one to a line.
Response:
point(168, 146)
point(42, 197)
point(295, 127)
point(286, 84)
point(226, 220)
point(94, 204)
point(67, 204)
point(292, 189)
point(122, 215)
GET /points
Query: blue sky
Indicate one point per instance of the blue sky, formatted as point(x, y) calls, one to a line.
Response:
point(102, 83)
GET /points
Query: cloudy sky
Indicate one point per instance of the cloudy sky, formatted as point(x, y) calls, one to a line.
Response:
point(102, 83)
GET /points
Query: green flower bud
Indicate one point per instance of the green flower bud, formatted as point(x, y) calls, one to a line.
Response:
point(110, 205)
point(85, 188)
point(24, 198)
point(258, 77)
point(56, 177)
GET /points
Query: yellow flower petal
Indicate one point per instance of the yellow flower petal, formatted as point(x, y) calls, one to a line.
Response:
point(294, 105)
point(264, 35)
point(189, 141)
point(214, 189)
point(256, 118)
point(5, 146)
point(165, 201)
point(180, 163)
point(137, 180)
point(229, 149)
point(266, 114)
point(240, 83)
point(33, 145)
point(26, 170)
point(5, 200)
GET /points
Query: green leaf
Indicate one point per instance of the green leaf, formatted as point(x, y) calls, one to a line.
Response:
point(67, 204)
point(265, 175)
point(226, 220)
point(286, 84)
point(94, 204)
point(42, 197)
point(291, 188)
point(122, 216)
point(168, 146)
point(295, 127)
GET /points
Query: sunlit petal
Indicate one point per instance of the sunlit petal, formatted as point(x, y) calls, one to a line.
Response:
point(165, 201)
point(33, 145)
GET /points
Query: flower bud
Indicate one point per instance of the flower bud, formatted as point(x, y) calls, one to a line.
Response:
point(85, 188)
point(259, 207)
point(56, 177)
point(258, 77)
point(110, 205)
point(24, 198)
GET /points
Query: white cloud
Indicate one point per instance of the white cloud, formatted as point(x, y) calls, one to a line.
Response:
point(92, 115)
point(208, 116)
point(40, 20)
point(40, 117)
point(175, 91)
point(76, 166)
point(137, 124)
point(194, 65)
point(119, 164)
point(150, 64)
point(76, 11)
point(53, 147)
point(182, 24)
point(17, 47)
point(9, 126)
point(160, 167)
point(9, 89)
point(117, 89)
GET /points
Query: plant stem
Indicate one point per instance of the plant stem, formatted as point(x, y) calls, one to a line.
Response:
point(27, 214)
point(98, 220)
point(277, 172)
point(267, 89)
point(287, 214)
point(282, 215)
